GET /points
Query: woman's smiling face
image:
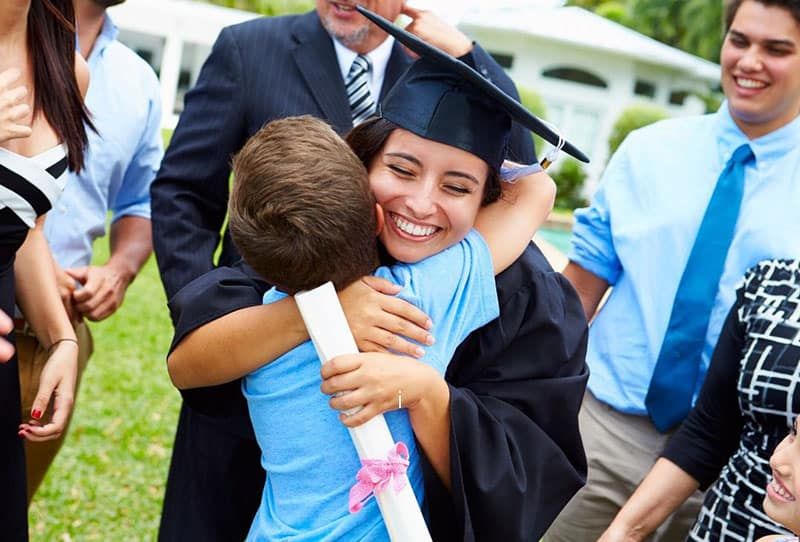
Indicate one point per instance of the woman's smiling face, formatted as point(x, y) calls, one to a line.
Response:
point(782, 492)
point(430, 194)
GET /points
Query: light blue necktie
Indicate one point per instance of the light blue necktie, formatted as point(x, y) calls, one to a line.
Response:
point(669, 397)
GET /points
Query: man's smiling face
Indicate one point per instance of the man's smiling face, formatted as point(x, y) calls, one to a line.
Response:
point(761, 68)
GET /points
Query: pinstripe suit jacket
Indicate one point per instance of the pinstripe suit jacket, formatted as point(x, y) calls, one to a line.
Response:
point(257, 71)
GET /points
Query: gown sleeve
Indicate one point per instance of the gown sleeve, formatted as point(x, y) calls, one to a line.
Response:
point(516, 388)
point(208, 297)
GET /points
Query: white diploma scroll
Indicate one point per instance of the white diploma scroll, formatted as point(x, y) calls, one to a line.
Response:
point(331, 336)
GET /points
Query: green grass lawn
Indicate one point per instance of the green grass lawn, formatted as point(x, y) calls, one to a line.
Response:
point(107, 482)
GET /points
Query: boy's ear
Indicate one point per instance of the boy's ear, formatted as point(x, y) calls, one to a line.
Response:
point(379, 219)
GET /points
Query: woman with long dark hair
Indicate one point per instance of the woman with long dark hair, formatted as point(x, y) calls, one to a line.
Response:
point(42, 134)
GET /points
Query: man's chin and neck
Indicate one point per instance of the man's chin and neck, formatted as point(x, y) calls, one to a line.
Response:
point(361, 40)
point(357, 41)
point(754, 125)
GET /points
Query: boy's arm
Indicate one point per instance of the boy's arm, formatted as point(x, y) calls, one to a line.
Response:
point(508, 224)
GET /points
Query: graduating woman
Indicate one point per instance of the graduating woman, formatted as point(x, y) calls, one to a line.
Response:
point(510, 396)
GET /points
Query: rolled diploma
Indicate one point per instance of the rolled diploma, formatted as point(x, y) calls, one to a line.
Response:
point(328, 329)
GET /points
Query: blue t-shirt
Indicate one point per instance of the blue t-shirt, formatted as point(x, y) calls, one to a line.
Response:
point(308, 455)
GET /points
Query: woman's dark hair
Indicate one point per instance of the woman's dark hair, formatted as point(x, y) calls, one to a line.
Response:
point(51, 43)
point(367, 140)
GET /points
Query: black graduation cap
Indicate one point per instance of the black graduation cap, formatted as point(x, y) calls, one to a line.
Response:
point(444, 99)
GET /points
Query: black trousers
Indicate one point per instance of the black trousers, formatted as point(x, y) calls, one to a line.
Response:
point(214, 484)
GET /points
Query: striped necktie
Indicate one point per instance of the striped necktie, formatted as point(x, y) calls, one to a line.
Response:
point(361, 103)
point(669, 397)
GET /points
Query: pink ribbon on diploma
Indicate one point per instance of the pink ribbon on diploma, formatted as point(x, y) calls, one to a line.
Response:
point(375, 474)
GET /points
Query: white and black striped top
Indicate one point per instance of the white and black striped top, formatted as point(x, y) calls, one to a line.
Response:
point(748, 404)
point(29, 186)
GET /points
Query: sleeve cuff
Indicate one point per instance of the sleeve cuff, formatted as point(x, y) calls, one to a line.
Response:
point(591, 263)
point(141, 210)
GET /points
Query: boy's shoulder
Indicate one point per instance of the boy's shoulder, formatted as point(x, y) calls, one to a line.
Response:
point(778, 538)
point(472, 241)
point(442, 269)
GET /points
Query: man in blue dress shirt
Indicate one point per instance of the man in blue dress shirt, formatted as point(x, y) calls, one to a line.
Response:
point(122, 160)
point(637, 235)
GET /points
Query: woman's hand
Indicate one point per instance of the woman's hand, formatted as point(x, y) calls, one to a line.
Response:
point(13, 109)
point(377, 318)
point(57, 382)
point(377, 382)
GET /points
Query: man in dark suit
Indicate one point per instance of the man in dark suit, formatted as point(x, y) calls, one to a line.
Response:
point(257, 71)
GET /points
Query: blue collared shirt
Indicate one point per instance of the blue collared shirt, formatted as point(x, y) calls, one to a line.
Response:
point(121, 161)
point(642, 223)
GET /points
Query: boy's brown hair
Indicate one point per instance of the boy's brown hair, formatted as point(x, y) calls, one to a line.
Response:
point(301, 211)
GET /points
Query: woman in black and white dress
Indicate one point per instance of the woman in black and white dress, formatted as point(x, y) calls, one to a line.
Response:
point(42, 134)
point(747, 406)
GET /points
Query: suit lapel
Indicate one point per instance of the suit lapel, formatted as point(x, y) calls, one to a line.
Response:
point(398, 63)
point(317, 62)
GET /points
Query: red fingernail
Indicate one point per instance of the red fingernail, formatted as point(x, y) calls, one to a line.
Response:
point(36, 414)
point(21, 434)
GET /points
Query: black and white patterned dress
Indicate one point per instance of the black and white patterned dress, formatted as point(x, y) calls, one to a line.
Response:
point(747, 406)
point(28, 188)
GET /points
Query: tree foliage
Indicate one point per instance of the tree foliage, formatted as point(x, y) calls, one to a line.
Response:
point(692, 25)
point(569, 178)
point(533, 101)
point(631, 118)
point(267, 7)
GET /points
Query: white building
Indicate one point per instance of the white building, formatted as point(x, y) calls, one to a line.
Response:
point(175, 37)
point(586, 68)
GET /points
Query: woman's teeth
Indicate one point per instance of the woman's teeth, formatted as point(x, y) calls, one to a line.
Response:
point(780, 490)
point(413, 229)
point(749, 83)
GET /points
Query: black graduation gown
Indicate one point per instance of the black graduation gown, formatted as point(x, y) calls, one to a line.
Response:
point(516, 387)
